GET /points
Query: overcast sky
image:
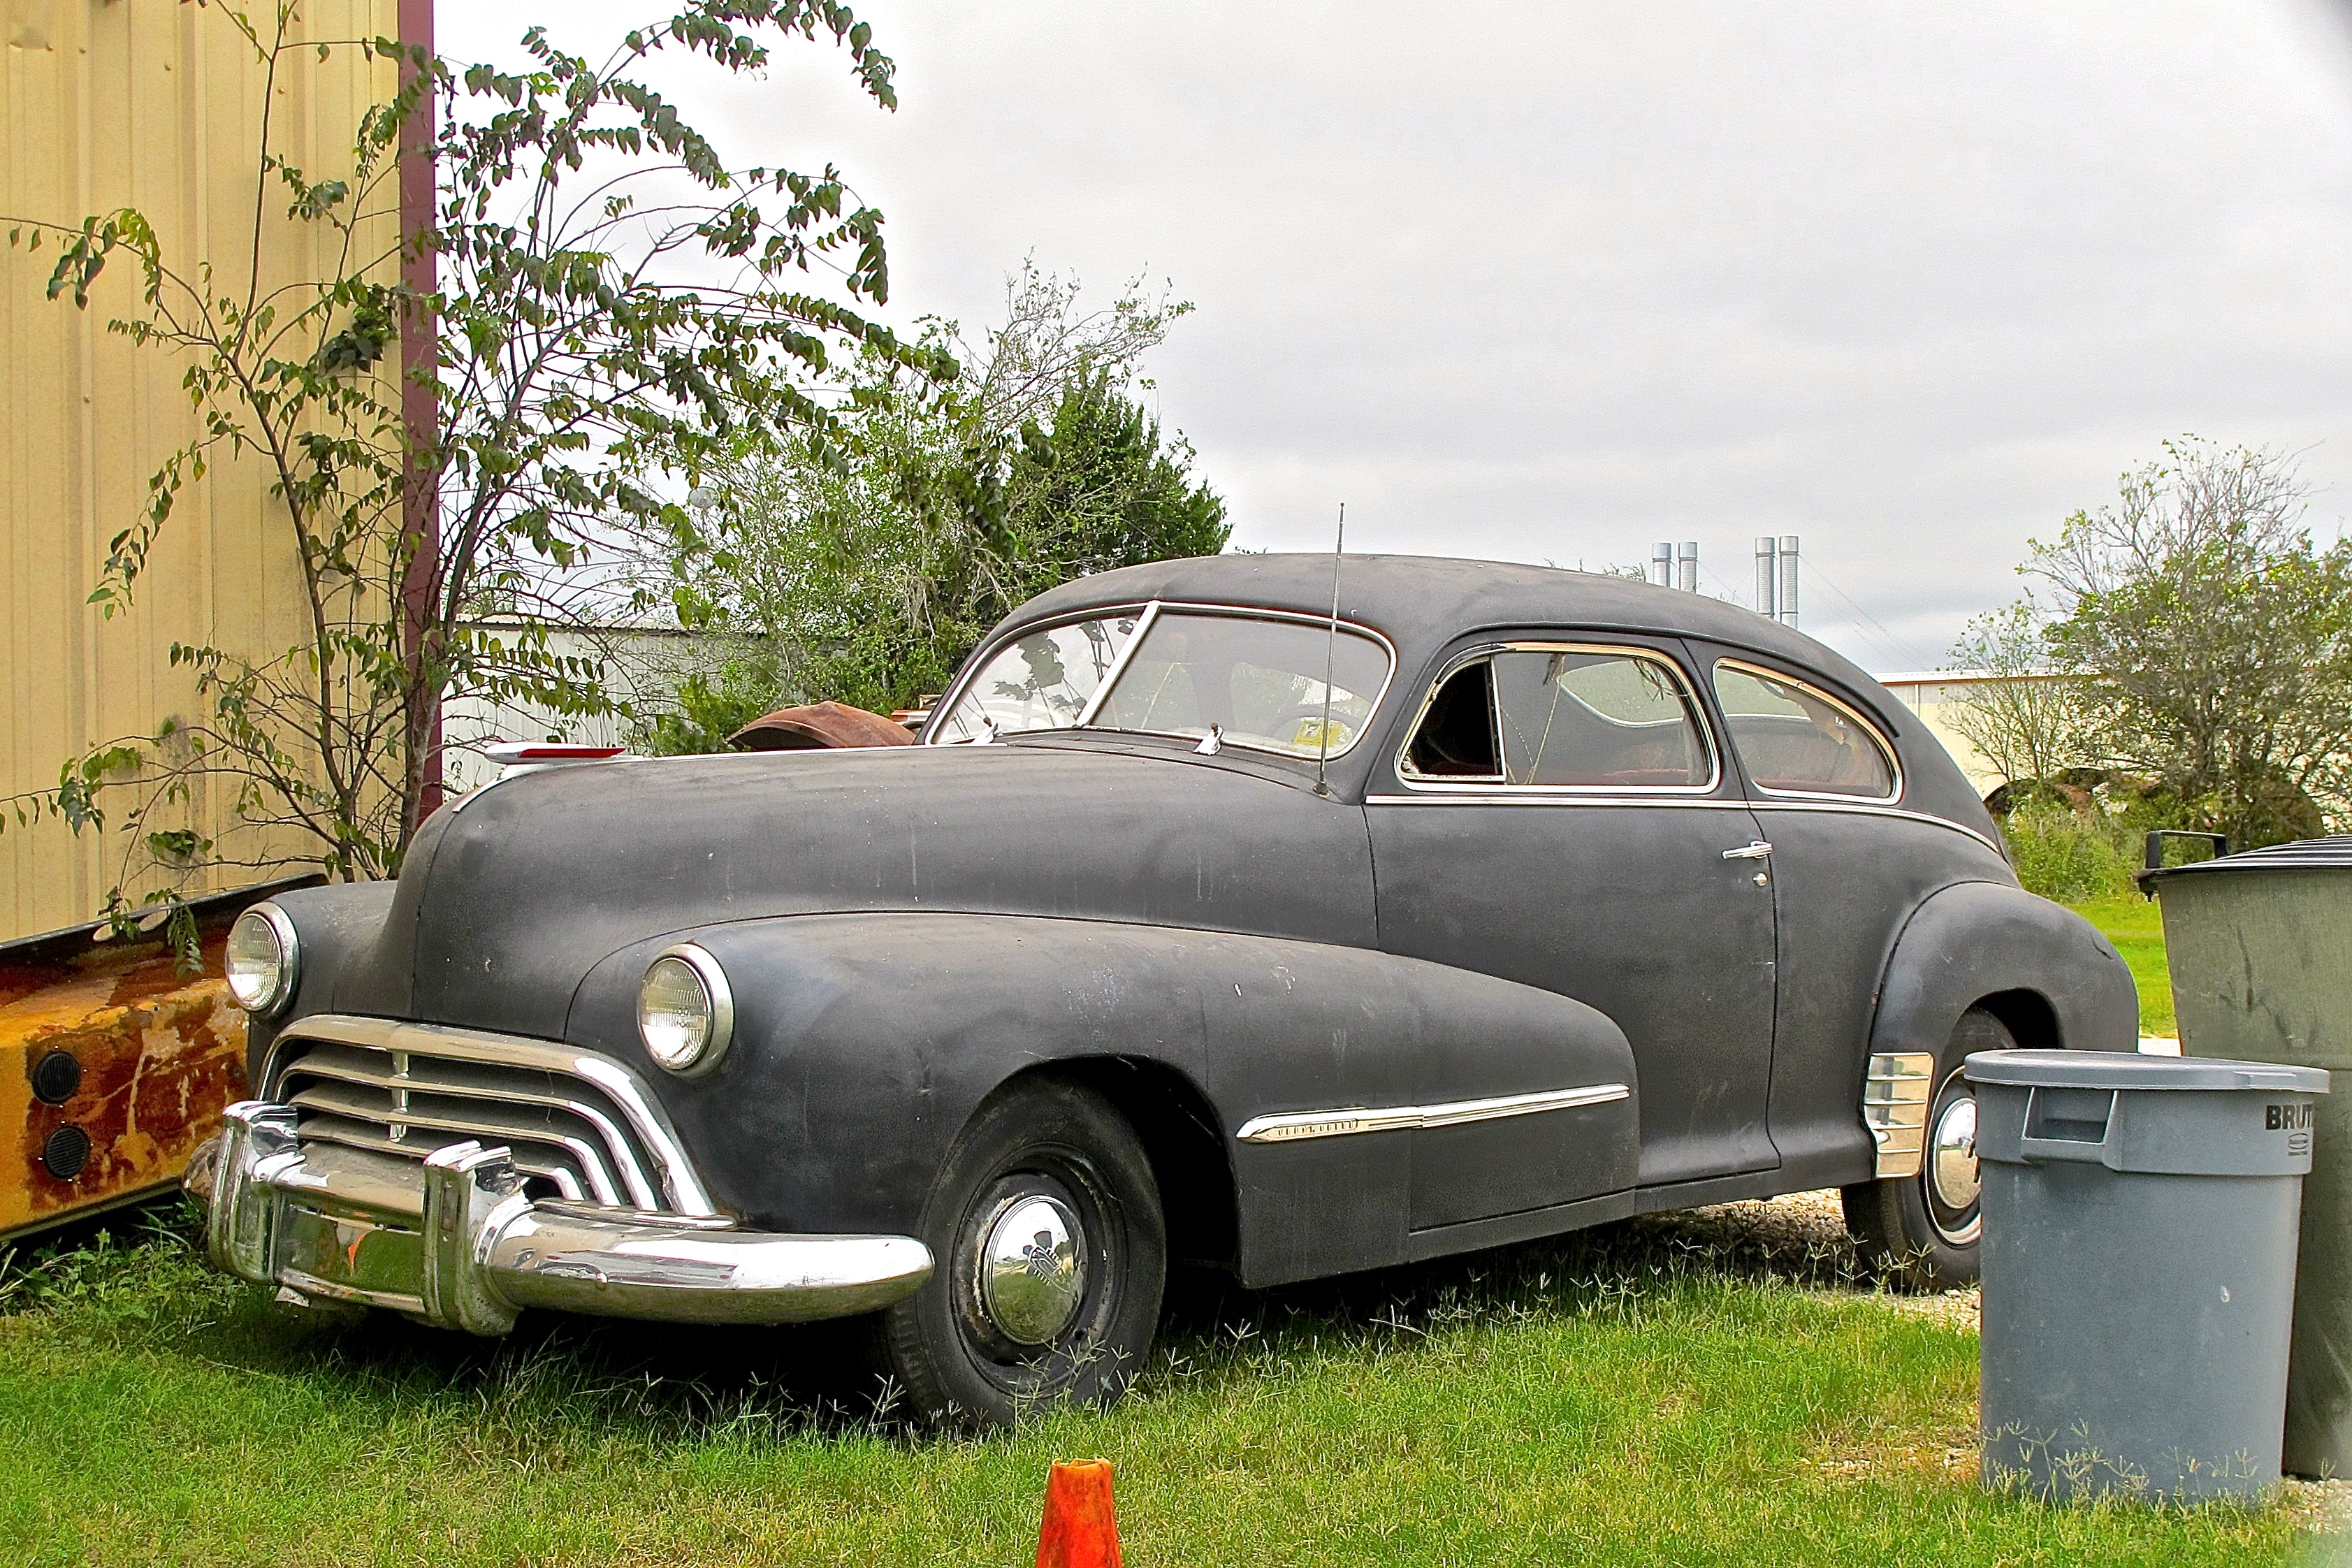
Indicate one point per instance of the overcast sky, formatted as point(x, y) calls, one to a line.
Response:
point(1548, 281)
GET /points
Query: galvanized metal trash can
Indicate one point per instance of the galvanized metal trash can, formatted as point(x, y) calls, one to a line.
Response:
point(2260, 948)
point(2139, 1267)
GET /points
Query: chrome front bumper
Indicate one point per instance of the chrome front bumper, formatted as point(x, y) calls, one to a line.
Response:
point(455, 1241)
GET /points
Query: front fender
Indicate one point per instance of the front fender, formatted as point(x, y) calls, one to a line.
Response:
point(2046, 970)
point(341, 930)
point(864, 1043)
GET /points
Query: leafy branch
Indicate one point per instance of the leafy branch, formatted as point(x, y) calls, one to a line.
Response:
point(614, 311)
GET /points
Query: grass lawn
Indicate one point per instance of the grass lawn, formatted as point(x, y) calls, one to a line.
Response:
point(1697, 1390)
point(2136, 926)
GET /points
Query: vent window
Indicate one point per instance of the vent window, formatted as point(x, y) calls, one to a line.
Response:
point(1458, 738)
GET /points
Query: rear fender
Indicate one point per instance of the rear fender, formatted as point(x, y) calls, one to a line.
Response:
point(2043, 968)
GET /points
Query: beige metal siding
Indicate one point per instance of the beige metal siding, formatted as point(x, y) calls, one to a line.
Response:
point(153, 104)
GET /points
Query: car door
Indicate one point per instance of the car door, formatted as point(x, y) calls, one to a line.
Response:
point(1850, 864)
point(1560, 814)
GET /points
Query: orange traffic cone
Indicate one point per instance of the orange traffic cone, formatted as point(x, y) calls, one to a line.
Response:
point(1080, 1529)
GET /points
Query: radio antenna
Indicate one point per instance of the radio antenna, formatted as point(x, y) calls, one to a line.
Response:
point(1330, 656)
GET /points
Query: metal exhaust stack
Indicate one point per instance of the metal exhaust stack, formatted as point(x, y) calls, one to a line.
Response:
point(1661, 565)
point(1687, 566)
point(1768, 573)
point(1788, 600)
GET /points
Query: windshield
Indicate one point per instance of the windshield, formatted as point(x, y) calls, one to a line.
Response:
point(1259, 681)
point(1041, 681)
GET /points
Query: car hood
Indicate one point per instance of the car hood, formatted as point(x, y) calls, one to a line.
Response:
point(507, 900)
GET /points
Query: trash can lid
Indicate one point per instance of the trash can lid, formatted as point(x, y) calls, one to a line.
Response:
point(2128, 1070)
point(2330, 853)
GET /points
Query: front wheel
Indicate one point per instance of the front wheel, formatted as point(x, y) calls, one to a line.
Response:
point(1052, 1253)
point(1922, 1231)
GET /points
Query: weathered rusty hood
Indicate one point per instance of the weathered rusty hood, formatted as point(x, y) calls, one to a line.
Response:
point(506, 903)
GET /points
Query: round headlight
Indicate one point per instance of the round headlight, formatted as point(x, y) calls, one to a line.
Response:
point(259, 960)
point(685, 1011)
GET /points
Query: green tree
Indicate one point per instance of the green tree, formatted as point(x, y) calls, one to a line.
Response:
point(1102, 490)
point(866, 581)
point(618, 311)
point(2028, 720)
point(2213, 640)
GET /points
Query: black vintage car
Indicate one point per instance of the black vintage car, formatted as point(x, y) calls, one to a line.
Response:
point(1207, 925)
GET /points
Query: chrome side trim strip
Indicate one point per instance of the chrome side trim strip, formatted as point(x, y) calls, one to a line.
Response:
point(1536, 798)
point(1294, 1126)
point(1537, 795)
point(645, 1117)
point(1863, 809)
point(1894, 1108)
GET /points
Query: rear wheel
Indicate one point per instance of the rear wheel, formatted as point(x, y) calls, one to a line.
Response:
point(1922, 1231)
point(1052, 1253)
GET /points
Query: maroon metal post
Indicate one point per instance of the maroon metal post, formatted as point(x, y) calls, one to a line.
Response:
point(420, 500)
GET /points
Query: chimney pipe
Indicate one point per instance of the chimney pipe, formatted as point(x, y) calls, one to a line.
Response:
point(1687, 566)
point(1767, 574)
point(1661, 565)
point(1788, 600)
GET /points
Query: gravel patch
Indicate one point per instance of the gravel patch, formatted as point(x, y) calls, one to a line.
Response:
point(1803, 1235)
point(2325, 1508)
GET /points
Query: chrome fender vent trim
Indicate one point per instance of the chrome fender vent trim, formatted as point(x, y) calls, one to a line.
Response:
point(1894, 1108)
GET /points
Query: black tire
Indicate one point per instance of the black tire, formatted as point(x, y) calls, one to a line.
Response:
point(1913, 1229)
point(946, 1350)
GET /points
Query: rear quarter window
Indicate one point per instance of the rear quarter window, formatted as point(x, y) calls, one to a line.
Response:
point(1795, 739)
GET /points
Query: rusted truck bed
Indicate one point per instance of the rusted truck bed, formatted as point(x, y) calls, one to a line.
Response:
point(114, 1066)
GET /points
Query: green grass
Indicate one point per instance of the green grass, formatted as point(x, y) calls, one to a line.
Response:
point(2136, 926)
point(1659, 1393)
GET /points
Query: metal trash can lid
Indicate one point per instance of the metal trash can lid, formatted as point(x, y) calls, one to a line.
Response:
point(2130, 1070)
point(2333, 853)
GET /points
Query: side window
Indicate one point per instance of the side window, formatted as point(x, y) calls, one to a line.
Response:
point(1598, 719)
point(1563, 718)
point(1798, 740)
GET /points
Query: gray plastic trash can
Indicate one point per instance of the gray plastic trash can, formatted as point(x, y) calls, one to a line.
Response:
point(2260, 948)
point(2139, 1238)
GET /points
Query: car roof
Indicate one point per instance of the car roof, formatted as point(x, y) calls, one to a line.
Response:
point(1421, 602)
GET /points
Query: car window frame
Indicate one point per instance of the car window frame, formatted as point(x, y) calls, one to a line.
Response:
point(1148, 611)
point(1695, 703)
point(1870, 727)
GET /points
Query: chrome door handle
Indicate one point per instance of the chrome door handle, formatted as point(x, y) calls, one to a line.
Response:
point(1756, 850)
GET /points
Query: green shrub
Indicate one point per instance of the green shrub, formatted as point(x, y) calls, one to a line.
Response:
point(2067, 854)
point(2080, 836)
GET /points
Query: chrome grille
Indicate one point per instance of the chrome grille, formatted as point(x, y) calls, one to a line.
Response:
point(578, 1125)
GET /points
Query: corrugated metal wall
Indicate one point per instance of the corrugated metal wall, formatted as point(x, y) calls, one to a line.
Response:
point(153, 104)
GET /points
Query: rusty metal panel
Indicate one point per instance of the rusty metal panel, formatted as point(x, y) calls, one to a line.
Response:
point(115, 1063)
point(147, 103)
point(819, 725)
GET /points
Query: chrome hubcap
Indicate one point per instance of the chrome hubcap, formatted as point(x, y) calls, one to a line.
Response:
point(1952, 1155)
point(1032, 1269)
